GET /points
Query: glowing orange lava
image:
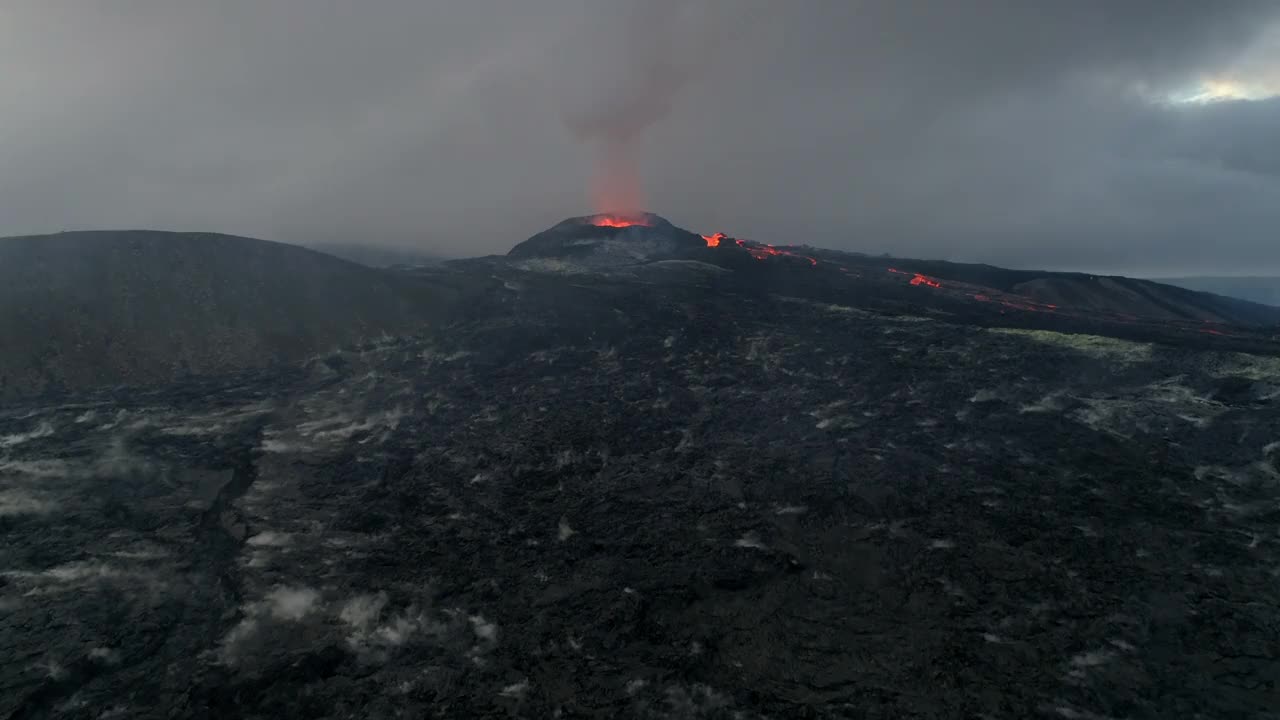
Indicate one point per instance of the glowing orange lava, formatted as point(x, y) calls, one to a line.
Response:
point(761, 251)
point(918, 279)
point(714, 240)
point(617, 221)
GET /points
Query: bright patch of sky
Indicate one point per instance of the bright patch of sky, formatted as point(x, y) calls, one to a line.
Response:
point(1223, 90)
point(1255, 75)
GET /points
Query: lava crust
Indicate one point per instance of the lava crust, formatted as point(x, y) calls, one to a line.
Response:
point(762, 489)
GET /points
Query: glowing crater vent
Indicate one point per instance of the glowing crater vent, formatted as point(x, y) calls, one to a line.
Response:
point(618, 221)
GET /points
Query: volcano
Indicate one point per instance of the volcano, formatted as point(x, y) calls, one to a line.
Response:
point(647, 243)
point(596, 242)
point(601, 241)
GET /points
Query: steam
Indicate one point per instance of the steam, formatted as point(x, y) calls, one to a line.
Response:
point(640, 70)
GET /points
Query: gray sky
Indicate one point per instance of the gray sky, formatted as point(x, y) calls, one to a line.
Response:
point(1138, 136)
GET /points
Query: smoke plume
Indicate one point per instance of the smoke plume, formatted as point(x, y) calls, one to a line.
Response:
point(640, 72)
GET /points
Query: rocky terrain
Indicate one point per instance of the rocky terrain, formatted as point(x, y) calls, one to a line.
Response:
point(696, 481)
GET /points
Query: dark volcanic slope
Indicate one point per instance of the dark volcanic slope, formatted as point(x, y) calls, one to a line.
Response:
point(754, 493)
point(91, 308)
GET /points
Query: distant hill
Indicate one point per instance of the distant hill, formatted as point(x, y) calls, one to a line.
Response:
point(377, 256)
point(80, 309)
point(1264, 290)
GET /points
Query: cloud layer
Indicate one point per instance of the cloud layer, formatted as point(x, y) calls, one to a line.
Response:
point(1022, 133)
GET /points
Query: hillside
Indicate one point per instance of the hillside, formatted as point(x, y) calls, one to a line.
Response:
point(82, 309)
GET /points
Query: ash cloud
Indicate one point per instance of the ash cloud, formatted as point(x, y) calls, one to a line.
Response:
point(1030, 134)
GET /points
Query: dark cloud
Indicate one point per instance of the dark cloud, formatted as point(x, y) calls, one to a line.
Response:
point(1008, 131)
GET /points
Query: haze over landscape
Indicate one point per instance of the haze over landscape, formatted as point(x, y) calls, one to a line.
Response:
point(1131, 137)
point(652, 359)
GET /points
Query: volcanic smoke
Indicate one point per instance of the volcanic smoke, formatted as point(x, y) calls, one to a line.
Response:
point(638, 77)
point(616, 186)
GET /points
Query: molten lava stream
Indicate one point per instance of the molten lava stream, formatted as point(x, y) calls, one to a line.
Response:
point(756, 250)
point(762, 251)
point(918, 278)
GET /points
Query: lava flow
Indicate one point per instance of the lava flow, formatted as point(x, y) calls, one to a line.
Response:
point(761, 251)
point(918, 278)
point(617, 221)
